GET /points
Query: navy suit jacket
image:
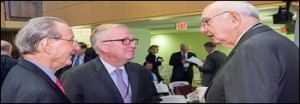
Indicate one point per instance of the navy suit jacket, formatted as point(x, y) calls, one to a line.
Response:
point(61, 71)
point(91, 83)
point(263, 67)
point(27, 83)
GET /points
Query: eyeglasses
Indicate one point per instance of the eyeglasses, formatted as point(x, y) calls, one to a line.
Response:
point(124, 41)
point(74, 42)
point(205, 21)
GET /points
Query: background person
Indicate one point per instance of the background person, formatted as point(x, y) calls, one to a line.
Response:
point(7, 62)
point(78, 58)
point(263, 65)
point(156, 61)
point(149, 67)
point(182, 69)
point(212, 63)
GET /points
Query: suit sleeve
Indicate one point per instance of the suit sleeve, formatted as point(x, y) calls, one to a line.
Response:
point(209, 64)
point(71, 88)
point(253, 76)
point(153, 96)
point(175, 61)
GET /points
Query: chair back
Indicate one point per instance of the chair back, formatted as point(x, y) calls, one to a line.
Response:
point(177, 83)
point(162, 88)
point(173, 99)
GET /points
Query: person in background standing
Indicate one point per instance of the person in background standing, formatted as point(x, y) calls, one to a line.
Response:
point(182, 69)
point(212, 63)
point(7, 62)
point(156, 61)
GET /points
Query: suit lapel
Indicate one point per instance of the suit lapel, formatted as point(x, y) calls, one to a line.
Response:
point(258, 28)
point(252, 32)
point(30, 66)
point(104, 78)
point(133, 81)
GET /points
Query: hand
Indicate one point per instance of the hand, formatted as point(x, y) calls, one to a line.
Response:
point(184, 61)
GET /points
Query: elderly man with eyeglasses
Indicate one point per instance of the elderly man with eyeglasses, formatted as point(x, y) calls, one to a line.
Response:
point(110, 77)
point(46, 44)
point(263, 66)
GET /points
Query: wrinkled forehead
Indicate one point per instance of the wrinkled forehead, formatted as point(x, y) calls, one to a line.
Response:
point(211, 10)
point(121, 32)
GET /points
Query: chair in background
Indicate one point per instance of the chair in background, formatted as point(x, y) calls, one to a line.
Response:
point(191, 97)
point(173, 99)
point(177, 83)
point(162, 89)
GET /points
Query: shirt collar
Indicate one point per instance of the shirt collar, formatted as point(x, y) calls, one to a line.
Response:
point(109, 67)
point(45, 69)
point(245, 32)
point(213, 50)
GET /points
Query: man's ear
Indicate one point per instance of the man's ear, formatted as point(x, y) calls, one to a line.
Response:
point(102, 46)
point(236, 18)
point(46, 45)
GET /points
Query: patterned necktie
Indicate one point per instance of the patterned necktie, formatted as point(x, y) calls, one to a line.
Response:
point(76, 61)
point(123, 89)
point(183, 57)
point(57, 82)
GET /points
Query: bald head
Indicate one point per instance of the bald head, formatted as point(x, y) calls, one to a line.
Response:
point(6, 48)
point(242, 7)
point(225, 21)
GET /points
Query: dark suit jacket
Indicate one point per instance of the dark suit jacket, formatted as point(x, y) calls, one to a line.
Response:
point(6, 64)
point(262, 67)
point(61, 71)
point(91, 83)
point(151, 58)
point(90, 52)
point(211, 65)
point(27, 83)
point(178, 69)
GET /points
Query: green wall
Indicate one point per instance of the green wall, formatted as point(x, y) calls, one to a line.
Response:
point(170, 43)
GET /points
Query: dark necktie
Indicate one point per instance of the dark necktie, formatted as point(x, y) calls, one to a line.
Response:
point(76, 61)
point(123, 89)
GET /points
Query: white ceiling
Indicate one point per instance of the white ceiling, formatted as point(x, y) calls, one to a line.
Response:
point(193, 21)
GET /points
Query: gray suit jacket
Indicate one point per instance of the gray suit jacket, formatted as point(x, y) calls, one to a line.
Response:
point(27, 83)
point(91, 83)
point(262, 67)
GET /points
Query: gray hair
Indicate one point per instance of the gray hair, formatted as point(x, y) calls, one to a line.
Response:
point(183, 45)
point(5, 46)
point(241, 7)
point(34, 31)
point(98, 34)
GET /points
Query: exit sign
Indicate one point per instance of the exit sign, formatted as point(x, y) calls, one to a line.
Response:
point(181, 26)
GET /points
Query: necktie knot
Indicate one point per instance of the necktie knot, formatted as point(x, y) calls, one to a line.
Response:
point(119, 72)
